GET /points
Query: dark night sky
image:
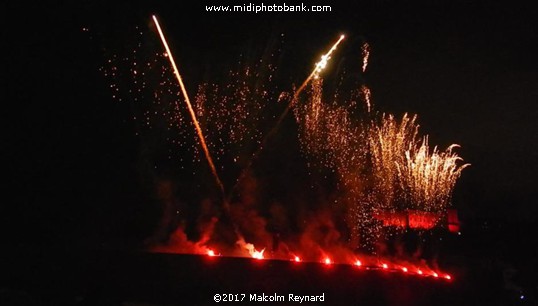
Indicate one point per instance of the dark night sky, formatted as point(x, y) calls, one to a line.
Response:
point(71, 161)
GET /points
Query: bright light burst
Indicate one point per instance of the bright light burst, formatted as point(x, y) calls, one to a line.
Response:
point(318, 68)
point(326, 57)
point(255, 253)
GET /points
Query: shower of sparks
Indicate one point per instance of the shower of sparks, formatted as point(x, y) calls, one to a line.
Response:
point(379, 162)
point(410, 176)
point(314, 74)
point(143, 79)
point(189, 105)
point(427, 178)
point(388, 140)
point(232, 115)
point(335, 147)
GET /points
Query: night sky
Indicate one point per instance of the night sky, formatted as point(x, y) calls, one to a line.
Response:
point(72, 162)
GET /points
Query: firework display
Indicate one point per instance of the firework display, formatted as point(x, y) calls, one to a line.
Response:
point(380, 166)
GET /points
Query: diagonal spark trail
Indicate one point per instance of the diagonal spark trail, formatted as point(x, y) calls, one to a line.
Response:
point(314, 74)
point(189, 105)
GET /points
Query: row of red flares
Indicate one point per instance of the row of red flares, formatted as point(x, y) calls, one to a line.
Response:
point(357, 263)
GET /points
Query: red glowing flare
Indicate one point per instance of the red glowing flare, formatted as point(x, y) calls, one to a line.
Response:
point(435, 274)
point(358, 263)
point(404, 269)
point(328, 261)
point(420, 272)
point(297, 259)
point(448, 276)
point(211, 253)
point(385, 266)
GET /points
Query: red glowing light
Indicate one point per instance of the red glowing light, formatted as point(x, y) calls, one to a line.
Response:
point(404, 269)
point(211, 253)
point(358, 263)
point(453, 222)
point(328, 261)
point(422, 219)
point(297, 259)
point(410, 218)
point(448, 276)
point(435, 274)
point(420, 272)
point(385, 266)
